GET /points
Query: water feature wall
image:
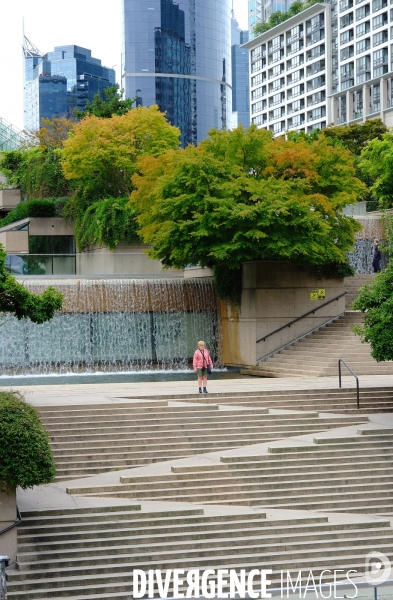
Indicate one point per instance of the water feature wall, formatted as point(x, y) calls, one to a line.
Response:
point(114, 325)
point(362, 257)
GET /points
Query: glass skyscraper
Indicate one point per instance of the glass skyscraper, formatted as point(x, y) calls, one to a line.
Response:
point(178, 56)
point(240, 77)
point(59, 81)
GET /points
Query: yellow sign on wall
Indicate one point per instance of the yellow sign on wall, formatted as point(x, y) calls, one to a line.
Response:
point(319, 294)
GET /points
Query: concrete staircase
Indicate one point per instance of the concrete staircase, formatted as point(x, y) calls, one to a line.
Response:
point(96, 439)
point(318, 354)
point(352, 286)
point(347, 473)
point(91, 555)
point(263, 499)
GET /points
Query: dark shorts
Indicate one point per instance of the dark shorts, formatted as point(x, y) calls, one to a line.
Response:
point(202, 372)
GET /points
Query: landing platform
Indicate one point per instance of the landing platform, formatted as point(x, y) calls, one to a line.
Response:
point(48, 395)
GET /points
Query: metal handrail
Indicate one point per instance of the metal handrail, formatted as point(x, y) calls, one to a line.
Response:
point(301, 337)
point(310, 312)
point(341, 360)
point(13, 524)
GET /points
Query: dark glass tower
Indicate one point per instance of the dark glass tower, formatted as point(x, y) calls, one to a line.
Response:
point(58, 81)
point(240, 77)
point(178, 56)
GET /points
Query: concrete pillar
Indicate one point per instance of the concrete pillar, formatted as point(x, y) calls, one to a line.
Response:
point(366, 102)
point(349, 109)
point(383, 96)
point(333, 111)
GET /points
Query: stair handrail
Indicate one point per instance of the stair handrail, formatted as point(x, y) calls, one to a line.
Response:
point(310, 312)
point(13, 524)
point(341, 360)
point(301, 337)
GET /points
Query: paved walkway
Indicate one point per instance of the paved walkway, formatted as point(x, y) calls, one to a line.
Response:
point(104, 393)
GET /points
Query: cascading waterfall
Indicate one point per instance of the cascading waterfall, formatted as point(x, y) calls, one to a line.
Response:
point(361, 258)
point(114, 325)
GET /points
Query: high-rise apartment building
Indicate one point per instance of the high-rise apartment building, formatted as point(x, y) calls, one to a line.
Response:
point(178, 56)
point(59, 81)
point(331, 63)
point(240, 79)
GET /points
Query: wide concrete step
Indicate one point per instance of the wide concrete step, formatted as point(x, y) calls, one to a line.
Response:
point(98, 582)
point(43, 565)
point(253, 529)
point(255, 525)
point(240, 489)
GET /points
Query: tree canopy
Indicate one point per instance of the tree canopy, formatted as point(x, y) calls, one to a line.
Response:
point(36, 171)
point(355, 136)
point(376, 162)
point(105, 107)
point(100, 159)
point(241, 196)
point(25, 454)
point(375, 299)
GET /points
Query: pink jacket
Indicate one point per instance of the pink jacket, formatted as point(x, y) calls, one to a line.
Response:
point(198, 362)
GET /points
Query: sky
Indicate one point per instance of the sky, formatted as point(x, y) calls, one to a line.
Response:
point(93, 24)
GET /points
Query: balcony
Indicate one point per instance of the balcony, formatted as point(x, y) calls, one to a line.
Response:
point(299, 64)
point(293, 110)
point(315, 69)
point(357, 114)
point(342, 119)
point(294, 52)
point(363, 69)
point(294, 38)
point(295, 94)
point(316, 55)
point(316, 101)
point(315, 118)
point(381, 61)
point(299, 124)
point(276, 102)
point(276, 47)
point(316, 37)
point(315, 27)
point(295, 79)
point(273, 75)
point(276, 89)
point(316, 84)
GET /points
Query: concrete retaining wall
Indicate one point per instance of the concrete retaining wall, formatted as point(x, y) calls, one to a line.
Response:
point(8, 517)
point(274, 293)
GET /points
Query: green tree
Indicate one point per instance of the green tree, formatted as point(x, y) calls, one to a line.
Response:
point(375, 299)
point(25, 455)
point(15, 299)
point(100, 159)
point(355, 136)
point(106, 223)
point(111, 105)
point(36, 171)
point(240, 196)
point(376, 163)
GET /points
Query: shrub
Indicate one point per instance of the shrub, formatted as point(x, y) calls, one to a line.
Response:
point(46, 207)
point(25, 455)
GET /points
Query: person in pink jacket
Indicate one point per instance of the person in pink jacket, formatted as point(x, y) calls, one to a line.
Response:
point(200, 363)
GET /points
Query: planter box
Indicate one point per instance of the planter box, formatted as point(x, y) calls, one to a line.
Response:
point(7, 518)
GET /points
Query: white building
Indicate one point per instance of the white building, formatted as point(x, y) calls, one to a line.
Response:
point(332, 63)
